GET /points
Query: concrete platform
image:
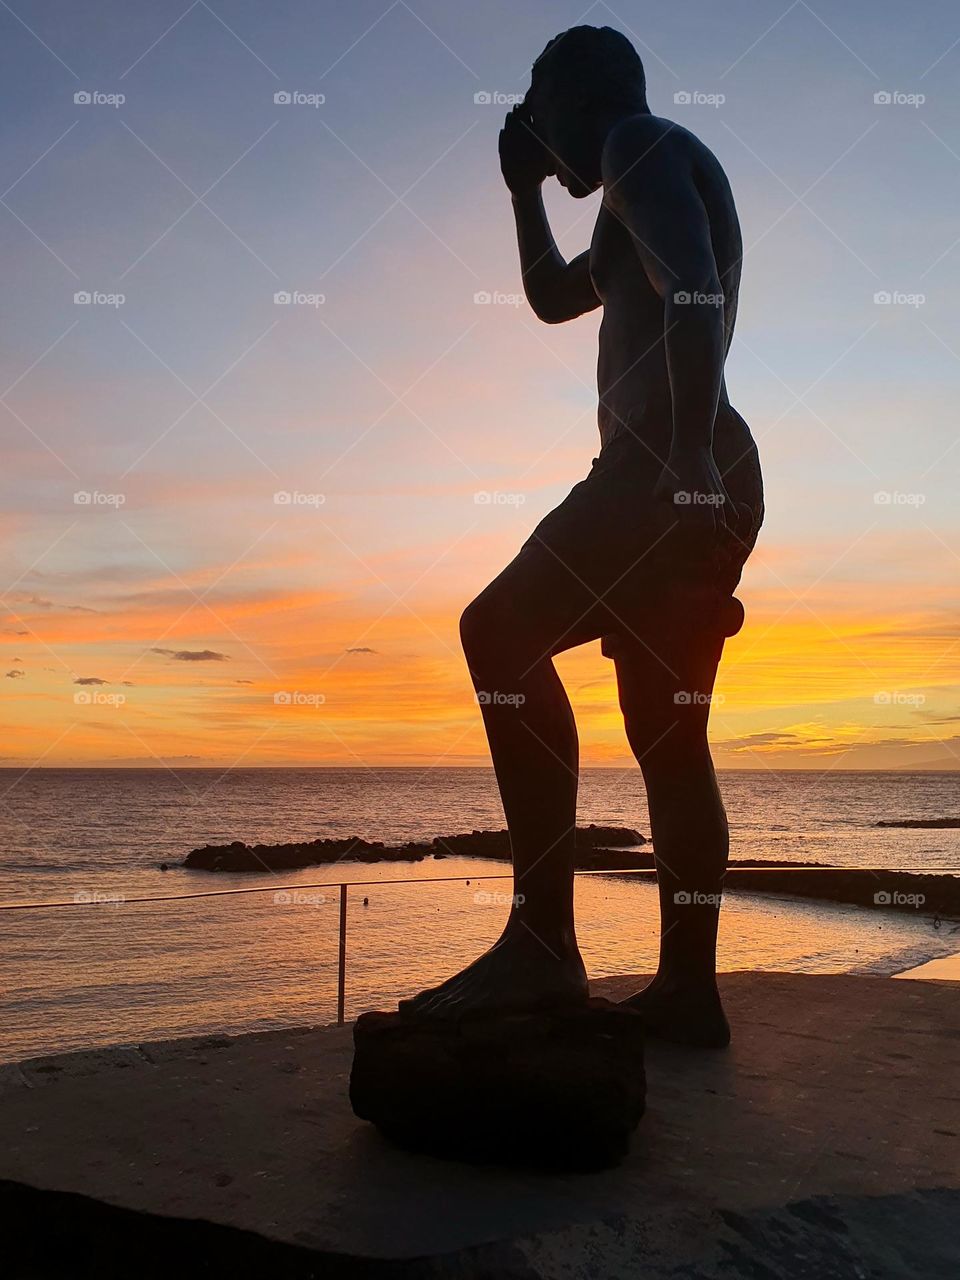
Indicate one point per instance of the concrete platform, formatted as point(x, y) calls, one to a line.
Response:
point(824, 1143)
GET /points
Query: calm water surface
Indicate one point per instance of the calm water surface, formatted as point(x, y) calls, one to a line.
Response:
point(119, 971)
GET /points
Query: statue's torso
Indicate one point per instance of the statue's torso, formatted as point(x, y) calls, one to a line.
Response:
point(632, 378)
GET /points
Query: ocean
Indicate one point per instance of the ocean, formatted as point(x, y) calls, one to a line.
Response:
point(114, 971)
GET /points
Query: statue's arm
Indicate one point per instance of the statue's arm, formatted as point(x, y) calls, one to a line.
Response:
point(649, 185)
point(556, 290)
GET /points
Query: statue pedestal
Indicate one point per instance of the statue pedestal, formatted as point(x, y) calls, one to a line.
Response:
point(561, 1089)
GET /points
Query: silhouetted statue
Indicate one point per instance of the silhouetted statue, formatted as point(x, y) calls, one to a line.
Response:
point(645, 553)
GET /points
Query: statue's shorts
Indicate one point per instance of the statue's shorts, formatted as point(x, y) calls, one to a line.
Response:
point(618, 558)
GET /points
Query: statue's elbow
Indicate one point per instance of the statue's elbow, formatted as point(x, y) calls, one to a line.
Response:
point(552, 310)
point(552, 316)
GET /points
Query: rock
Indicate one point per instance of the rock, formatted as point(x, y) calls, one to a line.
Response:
point(496, 844)
point(919, 893)
point(237, 856)
point(559, 1090)
point(922, 824)
point(476, 844)
point(593, 837)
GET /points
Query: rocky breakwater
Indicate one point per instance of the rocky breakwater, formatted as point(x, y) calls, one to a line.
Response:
point(597, 850)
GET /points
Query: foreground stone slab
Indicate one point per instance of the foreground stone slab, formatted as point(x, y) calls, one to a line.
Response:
point(823, 1143)
point(560, 1090)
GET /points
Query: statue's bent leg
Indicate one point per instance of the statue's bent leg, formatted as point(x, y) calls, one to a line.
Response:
point(533, 610)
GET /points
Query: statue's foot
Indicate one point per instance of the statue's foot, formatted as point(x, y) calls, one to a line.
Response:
point(518, 973)
point(690, 1016)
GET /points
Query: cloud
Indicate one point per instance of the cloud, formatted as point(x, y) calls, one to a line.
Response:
point(243, 682)
point(38, 602)
point(90, 680)
point(41, 602)
point(360, 649)
point(13, 675)
point(933, 717)
point(193, 655)
point(757, 740)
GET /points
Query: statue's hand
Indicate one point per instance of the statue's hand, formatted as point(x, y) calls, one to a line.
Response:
point(691, 483)
point(524, 160)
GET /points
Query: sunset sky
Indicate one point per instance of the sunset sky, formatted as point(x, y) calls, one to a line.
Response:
point(159, 620)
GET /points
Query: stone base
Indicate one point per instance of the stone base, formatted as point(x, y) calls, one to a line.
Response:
point(561, 1090)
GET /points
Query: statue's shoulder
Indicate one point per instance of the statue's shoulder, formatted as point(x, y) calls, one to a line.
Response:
point(646, 142)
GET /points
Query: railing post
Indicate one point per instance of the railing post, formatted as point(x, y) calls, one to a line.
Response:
point(342, 963)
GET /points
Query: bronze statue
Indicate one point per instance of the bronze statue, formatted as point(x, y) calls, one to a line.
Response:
point(644, 553)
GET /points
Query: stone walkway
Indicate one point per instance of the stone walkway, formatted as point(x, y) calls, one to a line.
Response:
point(824, 1142)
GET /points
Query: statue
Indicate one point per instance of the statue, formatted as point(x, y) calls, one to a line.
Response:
point(644, 553)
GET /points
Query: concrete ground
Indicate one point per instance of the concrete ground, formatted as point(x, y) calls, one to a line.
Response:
point(824, 1143)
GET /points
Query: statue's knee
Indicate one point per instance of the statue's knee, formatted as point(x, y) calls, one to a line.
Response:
point(638, 723)
point(637, 738)
point(665, 740)
point(478, 629)
point(497, 641)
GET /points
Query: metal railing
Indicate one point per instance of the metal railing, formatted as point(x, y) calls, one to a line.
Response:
point(343, 886)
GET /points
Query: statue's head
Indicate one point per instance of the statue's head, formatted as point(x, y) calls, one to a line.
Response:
point(583, 80)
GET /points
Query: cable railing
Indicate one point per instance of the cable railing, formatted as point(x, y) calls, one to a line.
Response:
point(344, 886)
